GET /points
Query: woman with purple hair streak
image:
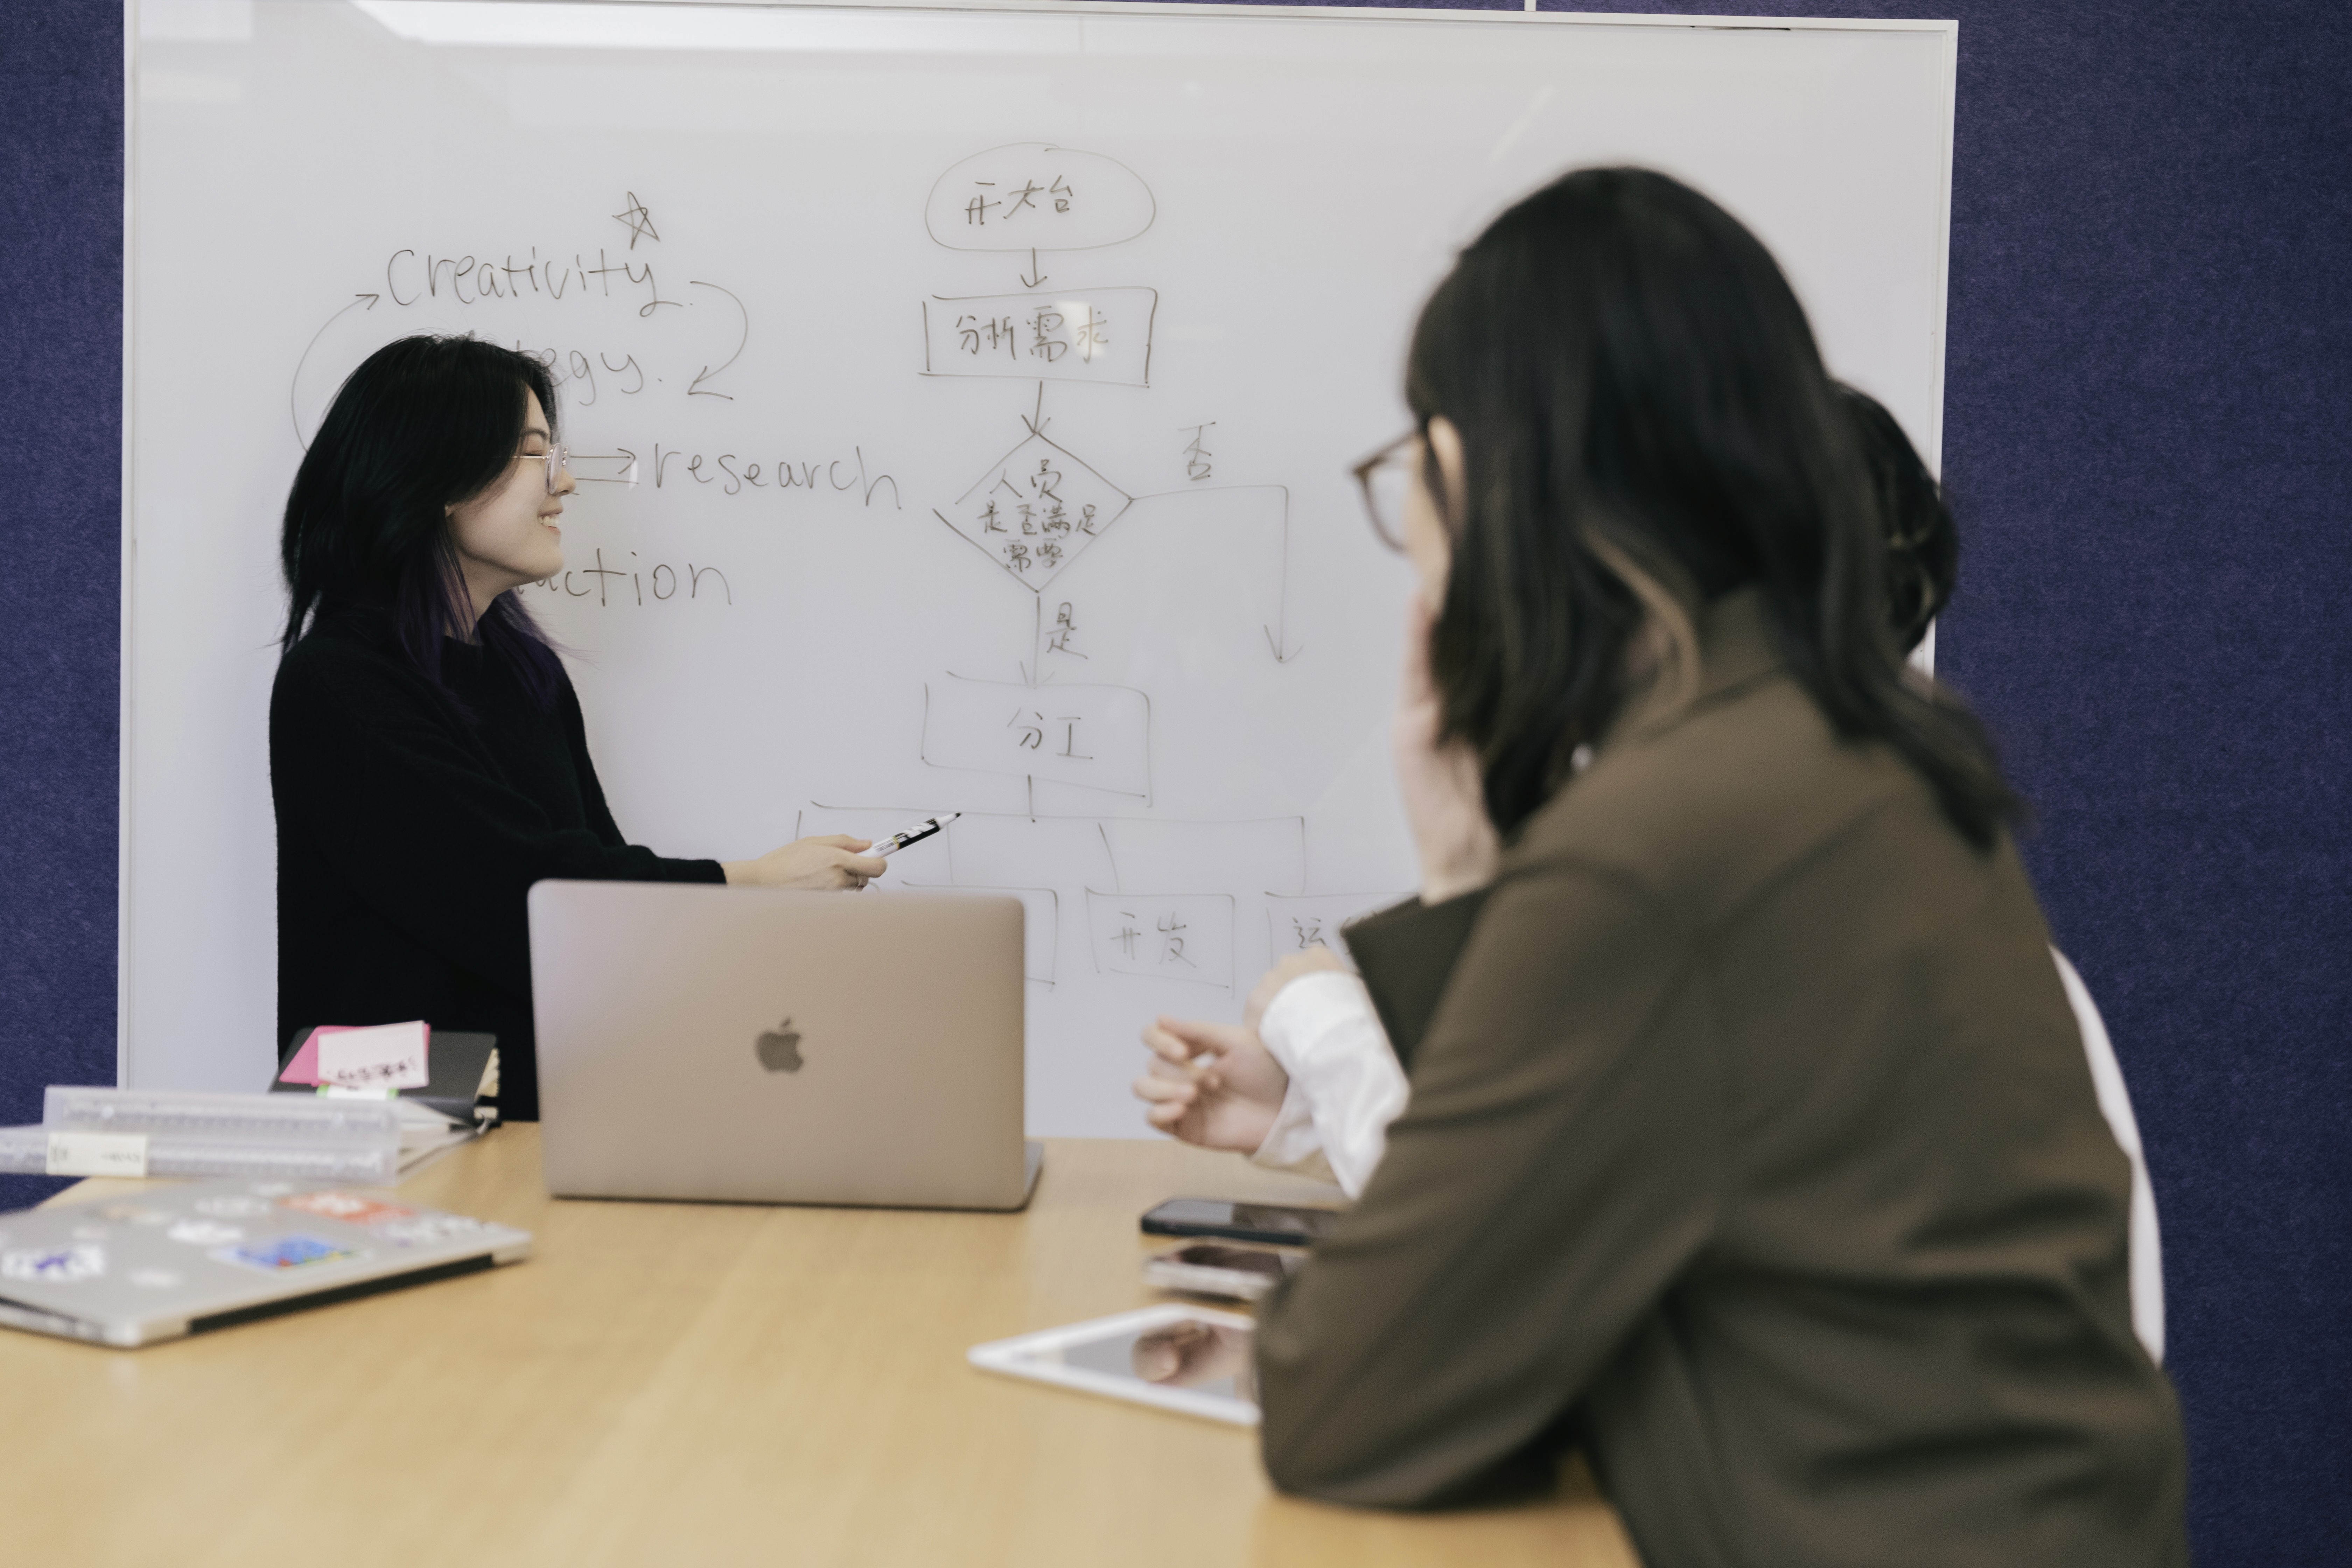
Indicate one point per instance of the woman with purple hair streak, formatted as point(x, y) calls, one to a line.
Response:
point(428, 757)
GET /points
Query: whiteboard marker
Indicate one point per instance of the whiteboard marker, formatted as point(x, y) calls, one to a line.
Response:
point(914, 835)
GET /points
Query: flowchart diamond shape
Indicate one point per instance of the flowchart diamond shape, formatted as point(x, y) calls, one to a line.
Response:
point(1035, 511)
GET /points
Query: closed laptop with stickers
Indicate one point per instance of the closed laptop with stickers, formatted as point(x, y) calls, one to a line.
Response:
point(189, 1256)
point(759, 1044)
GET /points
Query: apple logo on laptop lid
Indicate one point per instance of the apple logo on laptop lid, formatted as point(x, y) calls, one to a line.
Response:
point(780, 1048)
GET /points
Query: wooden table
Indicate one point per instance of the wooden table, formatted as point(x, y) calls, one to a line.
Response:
point(697, 1384)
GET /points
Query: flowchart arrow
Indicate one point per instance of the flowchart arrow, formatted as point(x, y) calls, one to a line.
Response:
point(695, 389)
point(1027, 281)
point(359, 301)
point(1276, 635)
point(628, 475)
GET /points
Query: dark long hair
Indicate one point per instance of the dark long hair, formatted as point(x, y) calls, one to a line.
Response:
point(423, 423)
point(1646, 425)
point(1922, 546)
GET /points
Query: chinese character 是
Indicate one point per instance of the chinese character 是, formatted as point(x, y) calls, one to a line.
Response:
point(1065, 627)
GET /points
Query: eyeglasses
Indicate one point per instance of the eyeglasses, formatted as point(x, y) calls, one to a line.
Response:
point(1386, 478)
point(556, 459)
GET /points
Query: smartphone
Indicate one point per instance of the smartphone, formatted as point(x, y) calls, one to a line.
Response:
point(1269, 1224)
point(1219, 1269)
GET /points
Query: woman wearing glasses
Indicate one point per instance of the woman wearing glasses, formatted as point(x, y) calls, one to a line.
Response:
point(1750, 1142)
point(427, 758)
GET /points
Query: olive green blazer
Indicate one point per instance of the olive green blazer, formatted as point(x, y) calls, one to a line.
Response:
point(1751, 1146)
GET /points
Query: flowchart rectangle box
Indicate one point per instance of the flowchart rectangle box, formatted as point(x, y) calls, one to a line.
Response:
point(1163, 936)
point(1295, 924)
point(1096, 737)
point(1101, 335)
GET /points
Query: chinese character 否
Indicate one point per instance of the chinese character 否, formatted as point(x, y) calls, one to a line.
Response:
point(1197, 454)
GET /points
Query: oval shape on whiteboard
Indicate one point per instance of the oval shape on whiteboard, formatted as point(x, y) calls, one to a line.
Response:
point(1032, 195)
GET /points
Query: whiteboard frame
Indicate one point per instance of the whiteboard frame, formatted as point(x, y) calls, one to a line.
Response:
point(128, 696)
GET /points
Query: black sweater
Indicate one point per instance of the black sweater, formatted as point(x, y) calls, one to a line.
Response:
point(408, 835)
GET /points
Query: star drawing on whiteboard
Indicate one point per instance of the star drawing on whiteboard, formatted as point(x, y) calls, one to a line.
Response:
point(640, 221)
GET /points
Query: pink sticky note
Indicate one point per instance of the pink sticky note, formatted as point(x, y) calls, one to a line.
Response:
point(304, 1067)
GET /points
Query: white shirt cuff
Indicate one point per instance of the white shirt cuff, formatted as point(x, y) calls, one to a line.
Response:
point(1344, 1078)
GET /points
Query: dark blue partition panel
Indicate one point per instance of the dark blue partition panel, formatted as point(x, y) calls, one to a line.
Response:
point(60, 549)
point(2148, 439)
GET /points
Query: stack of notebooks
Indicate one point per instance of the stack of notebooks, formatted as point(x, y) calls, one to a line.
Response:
point(405, 1097)
point(457, 1101)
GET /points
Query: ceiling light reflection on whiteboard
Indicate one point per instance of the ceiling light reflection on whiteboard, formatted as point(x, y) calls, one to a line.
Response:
point(512, 24)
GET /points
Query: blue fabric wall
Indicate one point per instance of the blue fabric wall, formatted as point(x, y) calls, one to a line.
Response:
point(60, 549)
point(2149, 444)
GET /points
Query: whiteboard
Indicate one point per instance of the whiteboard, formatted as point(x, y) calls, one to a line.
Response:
point(967, 397)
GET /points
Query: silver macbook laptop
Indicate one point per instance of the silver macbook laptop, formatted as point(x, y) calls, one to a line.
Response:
point(756, 1045)
point(182, 1258)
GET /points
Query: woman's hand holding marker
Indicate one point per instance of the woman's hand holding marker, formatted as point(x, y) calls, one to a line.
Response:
point(832, 862)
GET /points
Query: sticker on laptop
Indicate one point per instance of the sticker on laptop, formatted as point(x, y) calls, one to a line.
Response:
point(55, 1265)
point(283, 1254)
point(423, 1230)
point(351, 1208)
point(205, 1232)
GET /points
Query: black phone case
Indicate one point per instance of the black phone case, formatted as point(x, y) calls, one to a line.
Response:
point(1155, 1227)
